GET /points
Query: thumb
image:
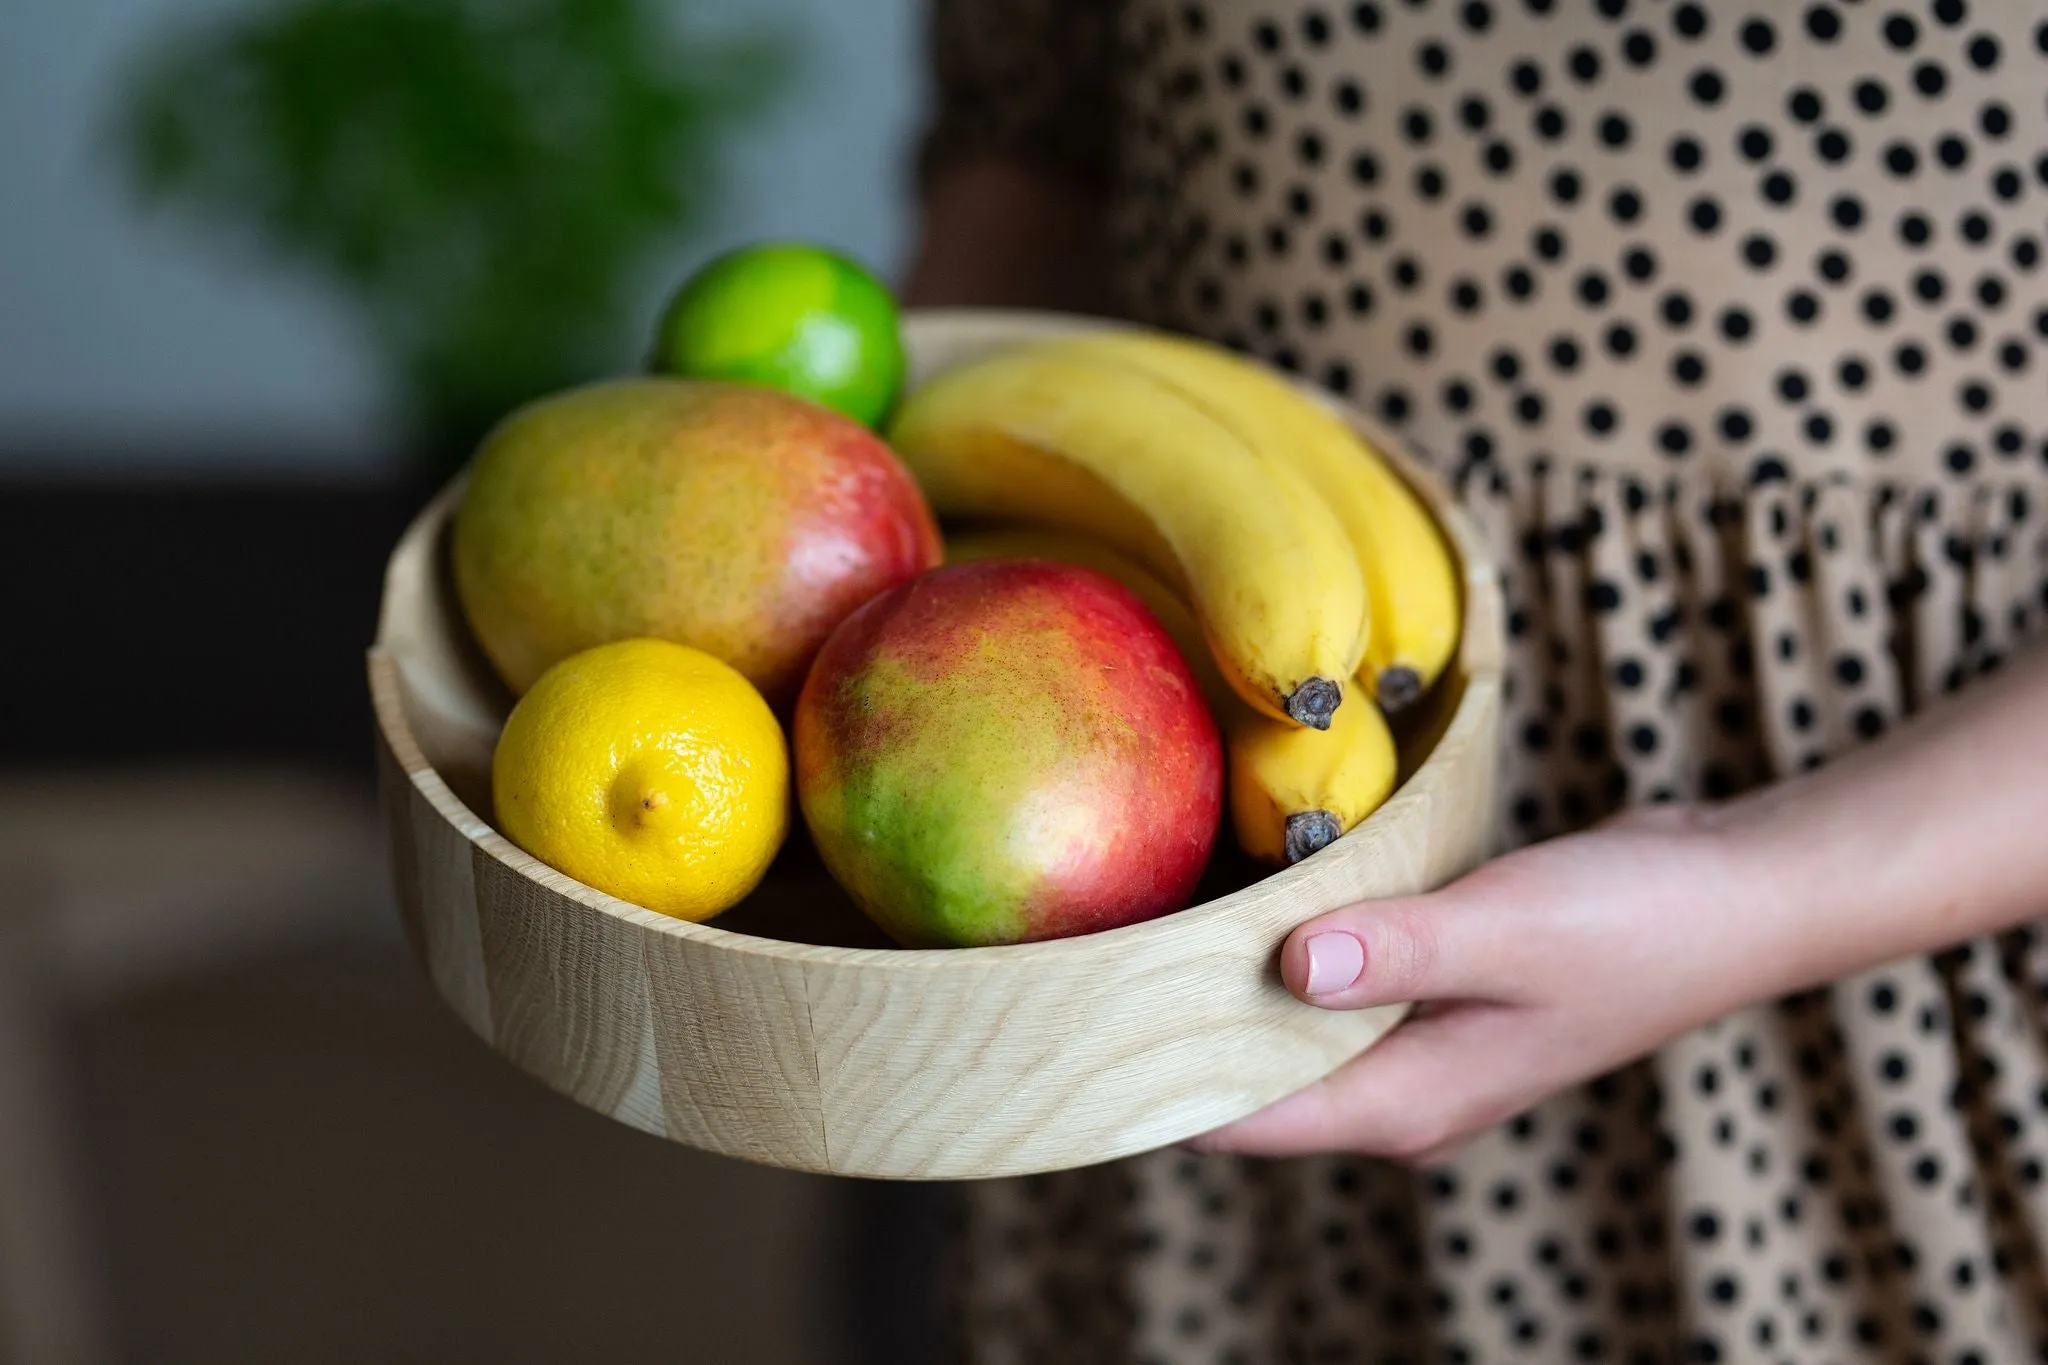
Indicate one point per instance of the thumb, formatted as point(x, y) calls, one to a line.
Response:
point(1411, 949)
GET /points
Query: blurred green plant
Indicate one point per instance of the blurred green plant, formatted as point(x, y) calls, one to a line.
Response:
point(486, 181)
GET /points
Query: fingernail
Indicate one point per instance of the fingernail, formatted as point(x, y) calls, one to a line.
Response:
point(1334, 962)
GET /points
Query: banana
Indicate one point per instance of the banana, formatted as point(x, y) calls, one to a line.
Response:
point(1410, 577)
point(1108, 449)
point(1292, 790)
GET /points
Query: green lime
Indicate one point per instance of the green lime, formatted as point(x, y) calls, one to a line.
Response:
point(797, 318)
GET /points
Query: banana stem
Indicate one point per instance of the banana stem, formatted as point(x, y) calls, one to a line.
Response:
point(1313, 703)
point(1398, 688)
point(1310, 831)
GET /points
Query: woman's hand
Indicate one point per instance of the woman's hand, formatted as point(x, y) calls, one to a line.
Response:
point(1568, 958)
point(1544, 968)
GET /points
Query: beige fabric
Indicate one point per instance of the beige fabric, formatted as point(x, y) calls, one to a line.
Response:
point(1731, 326)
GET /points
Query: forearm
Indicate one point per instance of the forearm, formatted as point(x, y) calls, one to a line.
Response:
point(1000, 234)
point(1934, 835)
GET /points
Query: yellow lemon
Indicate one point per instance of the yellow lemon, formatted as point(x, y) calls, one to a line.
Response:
point(648, 770)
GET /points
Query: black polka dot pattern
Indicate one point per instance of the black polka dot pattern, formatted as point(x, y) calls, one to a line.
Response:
point(1728, 324)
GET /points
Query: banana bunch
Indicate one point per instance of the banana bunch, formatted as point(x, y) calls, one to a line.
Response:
point(1042, 435)
point(1408, 571)
point(1287, 557)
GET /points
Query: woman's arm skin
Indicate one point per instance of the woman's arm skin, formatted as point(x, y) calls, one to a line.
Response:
point(1568, 958)
point(998, 234)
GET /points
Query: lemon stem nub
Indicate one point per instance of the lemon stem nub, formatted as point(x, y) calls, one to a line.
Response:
point(1311, 831)
point(635, 803)
point(1314, 702)
point(1398, 688)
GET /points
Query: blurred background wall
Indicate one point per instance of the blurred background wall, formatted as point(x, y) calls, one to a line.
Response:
point(128, 340)
point(234, 1124)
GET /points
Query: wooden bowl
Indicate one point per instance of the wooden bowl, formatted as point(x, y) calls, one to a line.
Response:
point(788, 1032)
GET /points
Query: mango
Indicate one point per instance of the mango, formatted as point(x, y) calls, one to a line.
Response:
point(1004, 752)
point(727, 517)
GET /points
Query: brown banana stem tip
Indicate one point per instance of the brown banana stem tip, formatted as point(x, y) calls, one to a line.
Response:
point(1313, 703)
point(1309, 832)
point(1399, 687)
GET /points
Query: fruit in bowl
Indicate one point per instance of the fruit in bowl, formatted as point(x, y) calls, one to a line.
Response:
point(1304, 590)
point(1004, 752)
point(1049, 435)
point(648, 769)
point(793, 316)
point(1305, 558)
point(727, 517)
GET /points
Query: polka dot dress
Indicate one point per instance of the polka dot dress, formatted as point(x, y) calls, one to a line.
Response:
point(1730, 325)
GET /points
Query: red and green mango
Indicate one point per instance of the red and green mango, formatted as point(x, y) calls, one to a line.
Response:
point(1005, 752)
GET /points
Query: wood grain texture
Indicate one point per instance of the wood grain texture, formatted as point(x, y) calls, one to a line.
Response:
point(749, 1093)
point(877, 1061)
point(569, 992)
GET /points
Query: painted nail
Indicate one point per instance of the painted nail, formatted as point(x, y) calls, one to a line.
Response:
point(1335, 961)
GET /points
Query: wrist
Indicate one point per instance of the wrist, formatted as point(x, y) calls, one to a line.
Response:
point(1810, 882)
point(1749, 924)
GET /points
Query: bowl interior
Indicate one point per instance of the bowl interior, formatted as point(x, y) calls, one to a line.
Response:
point(455, 705)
